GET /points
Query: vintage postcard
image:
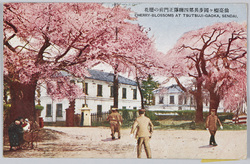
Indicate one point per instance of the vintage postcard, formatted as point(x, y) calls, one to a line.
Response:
point(125, 80)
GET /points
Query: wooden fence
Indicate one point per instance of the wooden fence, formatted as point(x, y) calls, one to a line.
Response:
point(96, 117)
point(127, 115)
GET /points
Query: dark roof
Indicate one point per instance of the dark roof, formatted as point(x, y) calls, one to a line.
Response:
point(109, 77)
point(174, 88)
point(103, 76)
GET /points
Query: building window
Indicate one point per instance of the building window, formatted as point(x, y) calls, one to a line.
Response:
point(99, 110)
point(124, 107)
point(85, 87)
point(180, 100)
point(124, 93)
point(134, 108)
point(171, 99)
point(48, 110)
point(58, 110)
point(134, 94)
point(112, 91)
point(185, 100)
point(99, 90)
point(191, 101)
point(161, 98)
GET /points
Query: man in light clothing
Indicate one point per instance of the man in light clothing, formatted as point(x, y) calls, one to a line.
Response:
point(115, 120)
point(211, 125)
point(143, 134)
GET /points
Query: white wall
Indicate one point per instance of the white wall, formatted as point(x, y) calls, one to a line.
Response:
point(91, 99)
point(172, 107)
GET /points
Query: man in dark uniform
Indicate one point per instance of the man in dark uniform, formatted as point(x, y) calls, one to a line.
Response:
point(211, 125)
point(143, 134)
point(115, 120)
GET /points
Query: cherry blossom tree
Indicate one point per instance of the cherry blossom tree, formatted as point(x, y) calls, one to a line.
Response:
point(133, 52)
point(215, 56)
point(43, 39)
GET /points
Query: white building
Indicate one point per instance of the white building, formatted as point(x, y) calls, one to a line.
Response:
point(173, 98)
point(99, 96)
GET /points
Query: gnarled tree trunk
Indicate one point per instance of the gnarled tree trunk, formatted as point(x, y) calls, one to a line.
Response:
point(214, 100)
point(22, 101)
point(199, 104)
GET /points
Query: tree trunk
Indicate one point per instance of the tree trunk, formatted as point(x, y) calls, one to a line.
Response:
point(198, 98)
point(139, 87)
point(22, 101)
point(214, 100)
point(116, 88)
point(199, 104)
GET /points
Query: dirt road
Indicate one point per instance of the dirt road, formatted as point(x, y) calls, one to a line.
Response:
point(95, 142)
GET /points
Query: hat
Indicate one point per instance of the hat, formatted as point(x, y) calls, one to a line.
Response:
point(142, 110)
point(213, 110)
point(27, 120)
point(114, 108)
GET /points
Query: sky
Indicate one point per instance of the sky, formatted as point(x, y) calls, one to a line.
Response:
point(167, 29)
point(168, 26)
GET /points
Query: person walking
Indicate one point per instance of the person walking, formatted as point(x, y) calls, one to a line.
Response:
point(143, 134)
point(211, 125)
point(115, 120)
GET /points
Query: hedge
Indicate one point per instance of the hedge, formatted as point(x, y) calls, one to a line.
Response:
point(189, 115)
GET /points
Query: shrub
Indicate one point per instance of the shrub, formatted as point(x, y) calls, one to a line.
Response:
point(39, 107)
point(6, 106)
point(151, 115)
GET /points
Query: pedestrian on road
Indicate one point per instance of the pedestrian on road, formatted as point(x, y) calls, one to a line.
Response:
point(211, 125)
point(115, 120)
point(143, 134)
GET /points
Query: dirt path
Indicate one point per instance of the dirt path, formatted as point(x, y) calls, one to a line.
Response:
point(95, 142)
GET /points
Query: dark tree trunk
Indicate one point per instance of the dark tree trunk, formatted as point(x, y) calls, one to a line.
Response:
point(199, 104)
point(198, 98)
point(116, 88)
point(22, 101)
point(214, 99)
point(139, 87)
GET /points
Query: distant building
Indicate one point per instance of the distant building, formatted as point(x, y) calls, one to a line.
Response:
point(99, 89)
point(173, 98)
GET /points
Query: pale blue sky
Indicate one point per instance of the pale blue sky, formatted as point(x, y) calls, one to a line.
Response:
point(167, 30)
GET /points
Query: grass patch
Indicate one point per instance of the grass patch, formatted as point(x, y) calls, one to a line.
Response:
point(176, 125)
point(234, 127)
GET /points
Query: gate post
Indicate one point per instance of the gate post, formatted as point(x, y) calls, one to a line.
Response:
point(85, 116)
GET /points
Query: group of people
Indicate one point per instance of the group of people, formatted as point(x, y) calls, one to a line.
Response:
point(144, 129)
point(15, 132)
point(140, 124)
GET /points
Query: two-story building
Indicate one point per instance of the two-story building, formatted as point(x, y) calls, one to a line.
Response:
point(173, 98)
point(99, 96)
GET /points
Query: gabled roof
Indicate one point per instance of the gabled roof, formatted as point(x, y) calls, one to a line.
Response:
point(170, 89)
point(174, 88)
point(103, 76)
point(109, 77)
